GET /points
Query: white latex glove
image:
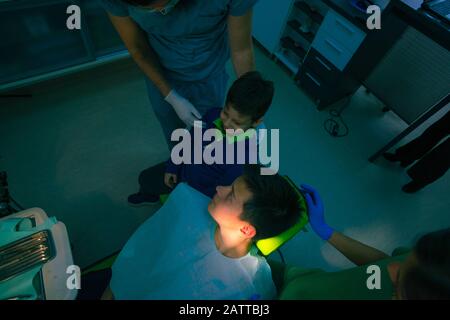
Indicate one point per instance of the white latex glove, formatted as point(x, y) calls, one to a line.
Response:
point(184, 109)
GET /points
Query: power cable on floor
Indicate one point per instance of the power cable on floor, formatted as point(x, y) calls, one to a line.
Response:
point(336, 125)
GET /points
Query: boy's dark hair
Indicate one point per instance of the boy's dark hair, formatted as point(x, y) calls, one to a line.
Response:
point(251, 95)
point(274, 206)
point(430, 278)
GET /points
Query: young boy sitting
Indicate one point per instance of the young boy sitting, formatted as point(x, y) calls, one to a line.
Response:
point(247, 101)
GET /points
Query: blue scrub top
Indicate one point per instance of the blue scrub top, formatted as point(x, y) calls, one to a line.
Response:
point(192, 40)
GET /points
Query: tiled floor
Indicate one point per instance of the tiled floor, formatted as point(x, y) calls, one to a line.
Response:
point(75, 149)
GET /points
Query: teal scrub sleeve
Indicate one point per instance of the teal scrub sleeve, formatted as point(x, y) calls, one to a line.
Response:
point(115, 7)
point(241, 7)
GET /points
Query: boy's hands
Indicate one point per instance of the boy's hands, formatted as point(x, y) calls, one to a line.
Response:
point(316, 213)
point(170, 179)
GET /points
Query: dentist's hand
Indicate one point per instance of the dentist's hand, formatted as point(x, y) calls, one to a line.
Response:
point(183, 108)
point(316, 213)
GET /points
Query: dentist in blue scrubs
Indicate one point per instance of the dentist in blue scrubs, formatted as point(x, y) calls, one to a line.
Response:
point(182, 47)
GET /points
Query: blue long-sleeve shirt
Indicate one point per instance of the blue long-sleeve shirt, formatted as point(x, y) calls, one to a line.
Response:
point(206, 177)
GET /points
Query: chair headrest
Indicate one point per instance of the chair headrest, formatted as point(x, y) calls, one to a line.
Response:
point(269, 245)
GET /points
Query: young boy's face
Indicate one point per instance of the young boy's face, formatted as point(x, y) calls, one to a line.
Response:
point(232, 119)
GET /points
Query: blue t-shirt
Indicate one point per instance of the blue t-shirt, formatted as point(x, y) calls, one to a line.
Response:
point(192, 40)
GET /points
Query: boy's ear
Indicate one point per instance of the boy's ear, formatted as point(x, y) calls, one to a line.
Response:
point(248, 231)
point(257, 122)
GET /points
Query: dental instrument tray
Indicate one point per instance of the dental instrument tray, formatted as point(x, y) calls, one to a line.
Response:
point(25, 254)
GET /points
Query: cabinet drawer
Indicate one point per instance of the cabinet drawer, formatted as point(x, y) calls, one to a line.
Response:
point(328, 47)
point(342, 31)
point(314, 86)
point(322, 67)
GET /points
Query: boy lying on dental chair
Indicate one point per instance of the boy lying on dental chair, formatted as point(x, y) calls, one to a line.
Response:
point(198, 248)
point(247, 102)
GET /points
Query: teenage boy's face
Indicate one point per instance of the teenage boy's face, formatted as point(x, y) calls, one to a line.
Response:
point(232, 119)
point(227, 206)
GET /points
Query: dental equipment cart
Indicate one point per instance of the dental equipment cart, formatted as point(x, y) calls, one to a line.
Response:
point(35, 254)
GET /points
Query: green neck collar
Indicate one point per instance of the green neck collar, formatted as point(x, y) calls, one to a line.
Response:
point(231, 139)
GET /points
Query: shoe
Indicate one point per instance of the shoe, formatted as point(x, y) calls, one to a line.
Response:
point(412, 187)
point(140, 199)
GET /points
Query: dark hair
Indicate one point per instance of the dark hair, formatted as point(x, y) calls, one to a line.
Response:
point(274, 206)
point(430, 278)
point(251, 95)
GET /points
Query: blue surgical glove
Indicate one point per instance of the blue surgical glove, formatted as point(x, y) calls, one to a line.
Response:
point(316, 213)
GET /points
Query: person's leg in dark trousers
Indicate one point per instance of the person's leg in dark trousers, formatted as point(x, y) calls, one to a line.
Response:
point(151, 182)
point(430, 168)
point(421, 145)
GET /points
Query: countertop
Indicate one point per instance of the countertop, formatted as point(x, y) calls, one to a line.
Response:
point(407, 10)
point(411, 13)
